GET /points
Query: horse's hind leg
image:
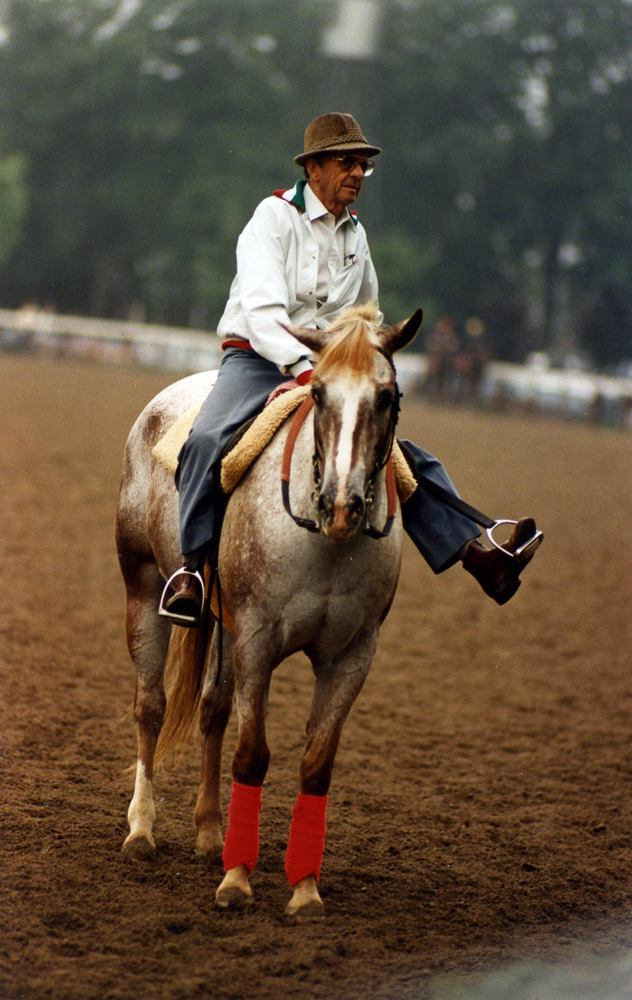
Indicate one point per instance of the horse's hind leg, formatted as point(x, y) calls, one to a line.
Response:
point(147, 641)
point(338, 684)
point(215, 707)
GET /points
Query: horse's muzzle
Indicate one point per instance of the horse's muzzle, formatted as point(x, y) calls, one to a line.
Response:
point(340, 521)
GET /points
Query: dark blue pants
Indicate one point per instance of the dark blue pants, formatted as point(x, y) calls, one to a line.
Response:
point(243, 384)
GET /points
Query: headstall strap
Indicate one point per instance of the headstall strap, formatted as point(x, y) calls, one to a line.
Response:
point(391, 503)
point(290, 441)
point(384, 461)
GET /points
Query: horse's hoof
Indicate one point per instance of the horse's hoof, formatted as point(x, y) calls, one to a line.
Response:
point(209, 847)
point(139, 848)
point(233, 898)
point(314, 910)
point(305, 903)
point(211, 858)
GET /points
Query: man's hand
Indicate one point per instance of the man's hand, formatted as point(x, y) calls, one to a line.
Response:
point(294, 383)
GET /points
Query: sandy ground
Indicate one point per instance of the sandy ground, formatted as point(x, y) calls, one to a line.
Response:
point(480, 808)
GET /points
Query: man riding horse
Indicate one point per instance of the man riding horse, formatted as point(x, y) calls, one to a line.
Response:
point(301, 260)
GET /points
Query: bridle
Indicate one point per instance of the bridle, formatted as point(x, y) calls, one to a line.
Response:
point(383, 461)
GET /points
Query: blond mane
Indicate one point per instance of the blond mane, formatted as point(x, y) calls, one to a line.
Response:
point(352, 342)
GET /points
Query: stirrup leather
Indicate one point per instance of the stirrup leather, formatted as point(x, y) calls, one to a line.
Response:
point(162, 608)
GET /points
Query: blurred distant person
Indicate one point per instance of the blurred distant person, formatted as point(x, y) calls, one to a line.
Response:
point(442, 346)
point(301, 260)
point(471, 360)
point(25, 325)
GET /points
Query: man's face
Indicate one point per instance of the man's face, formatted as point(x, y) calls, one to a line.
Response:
point(335, 183)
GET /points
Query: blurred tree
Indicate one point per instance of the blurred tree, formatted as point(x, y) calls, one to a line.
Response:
point(574, 161)
point(404, 267)
point(510, 126)
point(606, 324)
point(13, 202)
point(150, 132)
point(149, 129)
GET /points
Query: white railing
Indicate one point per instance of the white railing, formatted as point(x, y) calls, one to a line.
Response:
point(114, 341)
point(574, 394)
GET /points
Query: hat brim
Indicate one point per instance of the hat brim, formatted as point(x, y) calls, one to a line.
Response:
point(342, 147)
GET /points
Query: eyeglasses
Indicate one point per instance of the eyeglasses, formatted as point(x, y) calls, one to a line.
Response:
point(351, 162)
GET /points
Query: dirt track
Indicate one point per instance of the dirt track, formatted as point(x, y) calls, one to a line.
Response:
point(480, 808)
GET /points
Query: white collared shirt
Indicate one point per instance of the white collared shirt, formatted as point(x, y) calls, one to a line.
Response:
point(330, 238)
point(287, 259)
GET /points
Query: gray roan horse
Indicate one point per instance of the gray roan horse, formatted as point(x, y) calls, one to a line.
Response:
point(324, 591)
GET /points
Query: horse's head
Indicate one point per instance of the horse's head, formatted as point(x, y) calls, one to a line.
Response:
point(356, 405)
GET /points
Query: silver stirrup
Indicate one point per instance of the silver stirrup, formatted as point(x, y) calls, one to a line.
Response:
point(180, 619)
point(524, 551)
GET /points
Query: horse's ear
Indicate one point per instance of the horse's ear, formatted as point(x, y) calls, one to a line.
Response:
point(395, 337)
point(315, 340)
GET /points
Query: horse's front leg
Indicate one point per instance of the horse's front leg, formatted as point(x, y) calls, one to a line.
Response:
point(215, 708)
point(252, 669)
point(338, 683)
point(147, 640)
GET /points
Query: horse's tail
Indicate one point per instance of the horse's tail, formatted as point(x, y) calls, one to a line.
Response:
point(185, 669)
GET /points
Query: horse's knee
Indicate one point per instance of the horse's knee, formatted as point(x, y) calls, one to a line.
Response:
point(149, 706)
point(315, 775)
point(250, 763)
point(214, 714)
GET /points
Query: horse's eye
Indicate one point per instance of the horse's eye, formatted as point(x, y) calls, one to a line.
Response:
point(384, 400)
point(317, 394)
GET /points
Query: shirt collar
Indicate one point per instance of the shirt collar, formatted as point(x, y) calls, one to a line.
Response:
point(296, 196)
point(316, 210)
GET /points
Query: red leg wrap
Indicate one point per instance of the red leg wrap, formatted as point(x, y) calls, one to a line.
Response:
point(241, 846)
point(307, 837)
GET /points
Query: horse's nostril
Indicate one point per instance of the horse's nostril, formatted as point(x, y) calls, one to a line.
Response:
point(325, 504)
point(356, 506)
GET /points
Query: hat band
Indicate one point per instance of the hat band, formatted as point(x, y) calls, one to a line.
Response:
point(339, 140)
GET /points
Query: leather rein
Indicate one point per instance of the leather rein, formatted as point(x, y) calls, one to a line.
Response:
point(384, 461)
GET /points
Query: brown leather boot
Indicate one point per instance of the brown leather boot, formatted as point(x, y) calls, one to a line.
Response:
point(186, 601)
point(495, 571)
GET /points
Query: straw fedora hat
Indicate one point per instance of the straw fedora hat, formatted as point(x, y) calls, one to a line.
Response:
point(334, 133)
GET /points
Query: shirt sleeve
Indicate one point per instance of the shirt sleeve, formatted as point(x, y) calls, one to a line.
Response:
point(263, 287)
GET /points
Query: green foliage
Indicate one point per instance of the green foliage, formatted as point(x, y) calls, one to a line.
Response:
point(13, 202)
point(148, 130)
point(405, 269)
